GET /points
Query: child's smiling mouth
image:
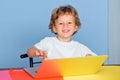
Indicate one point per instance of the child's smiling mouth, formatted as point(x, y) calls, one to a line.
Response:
point(65, 30)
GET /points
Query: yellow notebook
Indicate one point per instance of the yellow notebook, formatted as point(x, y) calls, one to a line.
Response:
point(70, 66)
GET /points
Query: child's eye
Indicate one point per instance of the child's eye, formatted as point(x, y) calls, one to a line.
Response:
point(60, 23)
point(69, 22)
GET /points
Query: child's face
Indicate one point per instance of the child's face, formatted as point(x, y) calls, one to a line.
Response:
point(65, 27)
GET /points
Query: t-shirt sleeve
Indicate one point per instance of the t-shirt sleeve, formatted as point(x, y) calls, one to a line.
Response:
point(86, 50)
point(42, 44)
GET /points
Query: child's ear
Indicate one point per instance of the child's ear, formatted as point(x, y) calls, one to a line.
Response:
point(76, 28)
point(54, 29)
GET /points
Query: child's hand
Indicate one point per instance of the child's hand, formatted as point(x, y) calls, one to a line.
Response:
point(41, 54)
point(88, 54)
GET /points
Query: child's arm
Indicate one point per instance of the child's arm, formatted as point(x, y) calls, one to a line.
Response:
point(32, 52)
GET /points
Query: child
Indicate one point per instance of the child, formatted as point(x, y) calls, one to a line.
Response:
point(64, 23)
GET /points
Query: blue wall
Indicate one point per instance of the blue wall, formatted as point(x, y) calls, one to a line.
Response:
point(24, 22)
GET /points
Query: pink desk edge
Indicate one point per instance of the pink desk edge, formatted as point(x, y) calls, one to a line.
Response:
point(4, 75)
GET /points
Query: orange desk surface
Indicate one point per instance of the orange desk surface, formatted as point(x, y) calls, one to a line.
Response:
point(106, 73)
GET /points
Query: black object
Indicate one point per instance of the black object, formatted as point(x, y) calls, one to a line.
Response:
point(31, 62)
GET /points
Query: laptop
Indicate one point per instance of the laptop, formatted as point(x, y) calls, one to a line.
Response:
point(68, 67)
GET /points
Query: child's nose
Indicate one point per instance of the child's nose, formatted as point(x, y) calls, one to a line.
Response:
point(65, 25)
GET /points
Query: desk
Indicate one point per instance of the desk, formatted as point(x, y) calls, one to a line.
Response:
point(4, 75)
point(106, 73)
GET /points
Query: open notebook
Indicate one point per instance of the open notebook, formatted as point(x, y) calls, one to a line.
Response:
point(68, 67)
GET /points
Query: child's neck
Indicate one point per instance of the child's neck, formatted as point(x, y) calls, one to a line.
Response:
point(64, 39)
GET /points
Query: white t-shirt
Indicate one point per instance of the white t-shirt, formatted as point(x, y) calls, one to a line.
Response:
point(59, 49)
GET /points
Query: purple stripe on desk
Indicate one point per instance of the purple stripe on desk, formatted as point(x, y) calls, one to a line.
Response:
point(4, 75)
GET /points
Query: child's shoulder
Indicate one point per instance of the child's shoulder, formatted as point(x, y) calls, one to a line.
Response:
point(79, 43)
point(48, 39)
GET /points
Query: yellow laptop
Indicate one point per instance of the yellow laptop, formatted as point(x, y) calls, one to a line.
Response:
point(70, 66)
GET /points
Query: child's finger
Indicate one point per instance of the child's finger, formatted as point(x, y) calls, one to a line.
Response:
point(45, 54)
point(41, 54)
point(88, 54)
